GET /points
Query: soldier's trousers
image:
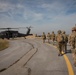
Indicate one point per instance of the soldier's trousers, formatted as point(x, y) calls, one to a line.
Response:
point(73, 45)
point(74, 57)
point(48, 40)
point(60, 47)
point(64, 47)
point(43, 40)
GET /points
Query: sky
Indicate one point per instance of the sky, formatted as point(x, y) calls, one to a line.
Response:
point(43, 15)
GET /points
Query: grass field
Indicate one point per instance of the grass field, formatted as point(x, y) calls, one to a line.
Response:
point(4, 44)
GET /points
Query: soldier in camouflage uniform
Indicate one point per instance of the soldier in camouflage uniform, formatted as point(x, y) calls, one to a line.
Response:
point(48, 37)
point(53, 37)
point(59, 39)
point(44, 37)
point(72, 41)
point(72, 38)
point(65, 41)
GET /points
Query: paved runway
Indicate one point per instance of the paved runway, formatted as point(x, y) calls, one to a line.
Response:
point(32, 57)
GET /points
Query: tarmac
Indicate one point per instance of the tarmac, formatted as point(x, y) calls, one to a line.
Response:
point(33, 57)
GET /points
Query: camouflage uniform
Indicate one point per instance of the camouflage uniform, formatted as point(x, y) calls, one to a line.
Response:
point(48, 37)
point(44, 37)
point(74, 56)
point(59, 39)
point(65, 42)
point(72, 40)
point(53, 36)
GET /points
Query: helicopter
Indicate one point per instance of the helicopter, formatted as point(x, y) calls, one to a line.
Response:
point(9, 33)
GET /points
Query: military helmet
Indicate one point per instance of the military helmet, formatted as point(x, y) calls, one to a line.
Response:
point(59, 31)
point(52, 31)
point(43, 32)
point(48, 33)
point(74, 28)
point(63, 32)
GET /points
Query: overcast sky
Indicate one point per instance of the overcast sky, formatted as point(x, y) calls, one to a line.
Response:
point(42, 15)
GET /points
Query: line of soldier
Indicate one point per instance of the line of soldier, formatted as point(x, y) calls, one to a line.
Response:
point(62, 39)
point(49, 37)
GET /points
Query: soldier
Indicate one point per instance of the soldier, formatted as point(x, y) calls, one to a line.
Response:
point(60, 39)
point(48, 37)
point(65, 41)
point(72, 40)
point(53, 36)
point(44, 37)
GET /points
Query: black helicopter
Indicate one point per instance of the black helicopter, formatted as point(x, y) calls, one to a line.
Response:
point(9, 33)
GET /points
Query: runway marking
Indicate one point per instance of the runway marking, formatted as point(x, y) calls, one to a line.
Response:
point(69, 66)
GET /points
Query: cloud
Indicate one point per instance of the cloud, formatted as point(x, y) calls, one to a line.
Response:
point(4, 7)
point(43, 15)
point(59, 6)
point(60, 22)
point(14, 9)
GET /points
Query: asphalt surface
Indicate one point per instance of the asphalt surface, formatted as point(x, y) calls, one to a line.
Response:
point(32, 57)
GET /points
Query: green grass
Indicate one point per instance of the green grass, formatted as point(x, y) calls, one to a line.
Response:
point(3, 44)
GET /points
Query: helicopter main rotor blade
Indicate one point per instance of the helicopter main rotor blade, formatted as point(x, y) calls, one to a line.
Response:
point(2, 28)
point(8, 28)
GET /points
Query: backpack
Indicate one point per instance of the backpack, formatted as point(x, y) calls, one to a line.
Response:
point(53, 35)
point(44, 36)
point(73, 38)
point(65, 38)
point(60, 38)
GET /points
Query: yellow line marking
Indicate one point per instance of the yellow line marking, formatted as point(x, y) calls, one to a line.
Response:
point(69, 66)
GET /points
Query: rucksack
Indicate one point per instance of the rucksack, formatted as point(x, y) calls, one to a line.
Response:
point(44, 36)
point(65, 38)
point(60, 38)
point(72, 38)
